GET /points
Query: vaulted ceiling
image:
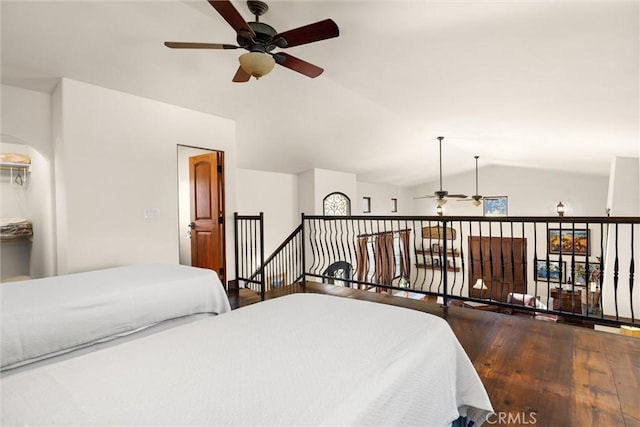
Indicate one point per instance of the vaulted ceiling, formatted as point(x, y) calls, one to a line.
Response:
point(542, 84)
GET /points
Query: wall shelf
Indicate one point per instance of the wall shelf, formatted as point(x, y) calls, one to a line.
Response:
point(450, 253)
point(436, 267)
point(12, 166)
point(23, 239)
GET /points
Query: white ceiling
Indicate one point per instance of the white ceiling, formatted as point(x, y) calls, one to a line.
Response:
point(543, 84)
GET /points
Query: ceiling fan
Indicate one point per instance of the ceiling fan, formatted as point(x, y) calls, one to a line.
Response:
point(441, 195)
point(476, 198)
point(260, 39)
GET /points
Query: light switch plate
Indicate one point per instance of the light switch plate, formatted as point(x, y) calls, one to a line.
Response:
point(151, 213)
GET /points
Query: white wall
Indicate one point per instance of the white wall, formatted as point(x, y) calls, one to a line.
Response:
point(274, 194)
point(531, 192)
point(381, 196)
point(327, 182)
point(26, 115)
point(26, 128)
point(116, 156)
point(307, 192)
point(315, 184)
point(624, 181)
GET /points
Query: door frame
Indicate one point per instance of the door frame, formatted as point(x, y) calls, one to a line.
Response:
point(183, 152)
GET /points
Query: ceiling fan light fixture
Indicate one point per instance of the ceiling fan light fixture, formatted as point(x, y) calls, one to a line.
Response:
point(257, 64)
point(476, 202)
point(442, 202)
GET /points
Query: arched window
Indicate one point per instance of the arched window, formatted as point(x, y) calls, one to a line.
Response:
point(336, 204)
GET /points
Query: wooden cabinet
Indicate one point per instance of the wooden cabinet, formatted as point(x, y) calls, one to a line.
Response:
point(501, 262)
point(567, 300)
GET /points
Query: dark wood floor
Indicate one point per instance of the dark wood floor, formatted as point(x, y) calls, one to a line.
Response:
point(535, 372)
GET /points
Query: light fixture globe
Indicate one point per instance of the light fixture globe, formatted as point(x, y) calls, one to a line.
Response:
point(257, 64)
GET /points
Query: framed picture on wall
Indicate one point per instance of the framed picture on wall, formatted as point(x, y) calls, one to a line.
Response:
point(580, 274)
point(495, 206)
point(568, 241)
point(554, 272)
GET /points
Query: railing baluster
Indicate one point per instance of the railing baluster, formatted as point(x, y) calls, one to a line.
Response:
point(616, 269)
point(631, 273)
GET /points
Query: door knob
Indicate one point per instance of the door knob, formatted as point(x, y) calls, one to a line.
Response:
point(192, 225)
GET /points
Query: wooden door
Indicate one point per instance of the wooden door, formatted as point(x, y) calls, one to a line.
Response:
point(206, 181)
point(501, 262)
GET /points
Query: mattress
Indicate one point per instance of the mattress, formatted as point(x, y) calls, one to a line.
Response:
point(43, 318)
point(302, 359)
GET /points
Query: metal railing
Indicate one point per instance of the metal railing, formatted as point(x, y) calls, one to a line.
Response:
point(249, 251)
point(284, 267)
point(573, 268)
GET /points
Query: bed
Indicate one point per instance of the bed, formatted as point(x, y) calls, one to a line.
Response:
point(301, 359)
point(45, 318)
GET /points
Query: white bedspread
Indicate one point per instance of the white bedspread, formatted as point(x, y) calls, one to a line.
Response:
point(45, 317)
point(302, 359)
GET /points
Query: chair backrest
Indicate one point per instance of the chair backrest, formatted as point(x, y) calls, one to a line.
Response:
point(531, 301)
point(338, 270)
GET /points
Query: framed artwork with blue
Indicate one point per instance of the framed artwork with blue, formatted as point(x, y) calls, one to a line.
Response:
point(554, 271)
point(495, 205)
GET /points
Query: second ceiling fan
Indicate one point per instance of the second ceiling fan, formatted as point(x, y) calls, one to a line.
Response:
point(476, 198)
point(442, 195)
point(260, 39)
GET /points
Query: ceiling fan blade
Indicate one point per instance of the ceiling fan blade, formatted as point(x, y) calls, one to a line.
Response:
point(321, 30)
point(457, 196)
point(295, 64)
point(424, 197)
point(241, 76)
point(230, 14)
point(189, 45)
point(476, 200)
